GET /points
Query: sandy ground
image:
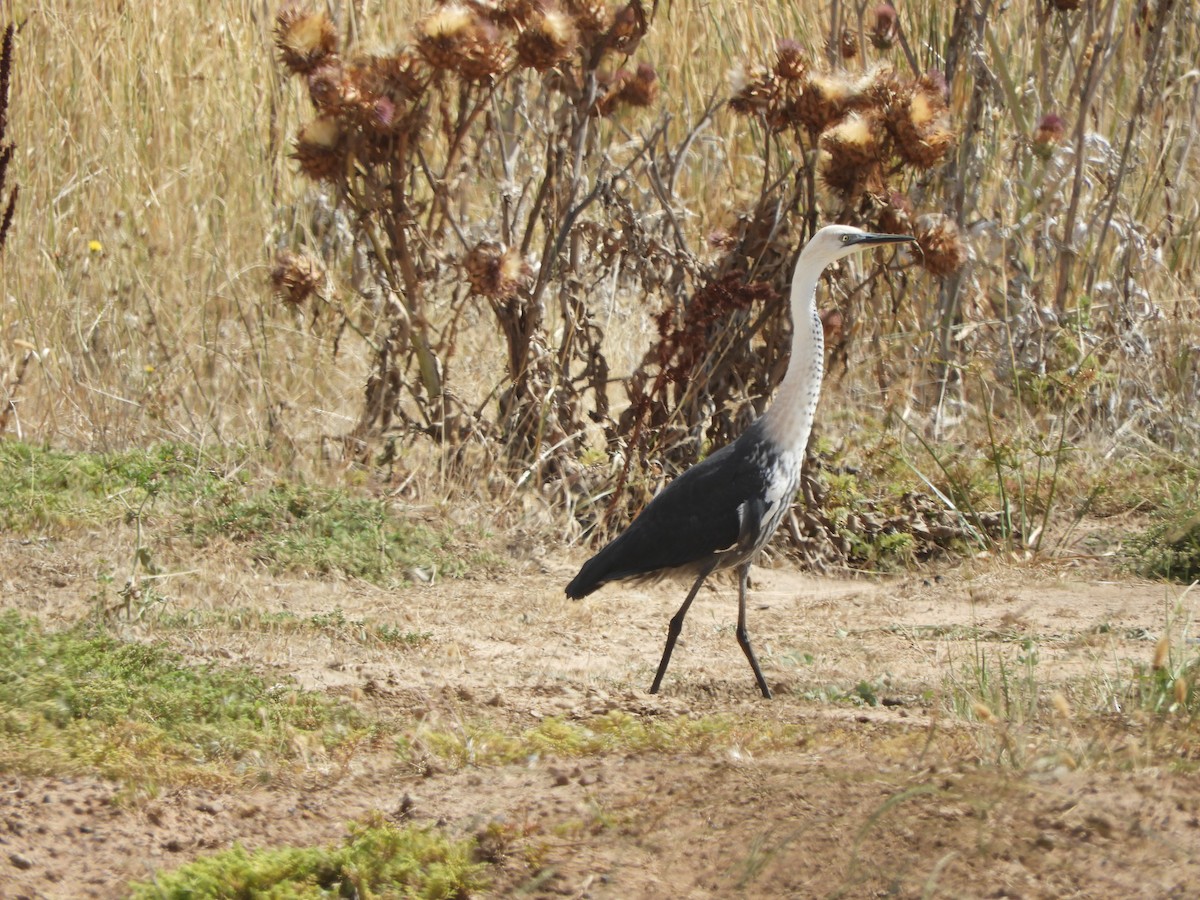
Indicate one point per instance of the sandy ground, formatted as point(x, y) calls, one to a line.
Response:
point(904, 798)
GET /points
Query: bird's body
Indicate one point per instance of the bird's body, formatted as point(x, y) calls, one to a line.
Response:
point(722, 511)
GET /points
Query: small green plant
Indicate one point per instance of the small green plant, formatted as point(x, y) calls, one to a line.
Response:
point(81, 700)
point(323, 531)
point(378, 859)
point(1170, 548)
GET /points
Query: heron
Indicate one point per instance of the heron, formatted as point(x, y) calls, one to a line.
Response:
point(722, 511)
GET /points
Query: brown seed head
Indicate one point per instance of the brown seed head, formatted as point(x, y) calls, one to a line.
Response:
point(841, 173)
point(1162, 653)
point(628, 28)
point(942, 248)
point(640, 89)
point(549, 38)
point(454, 38)
point(883, 32)
point(1180, 689)
point(895, 215)
point(591, 16)
point(754, 91)
point(1049, 132)
point(789, 61)
point(982, 712)
point(400, 76)
point(327, 86)
point(305, 39)
point(847, 44)
point(823, 99)
point(320, 149)
point(296, 277)
point(855, 141)
point(494, 272)
point(917, 119)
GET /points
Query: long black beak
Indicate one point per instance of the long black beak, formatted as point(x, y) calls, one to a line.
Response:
point(870, 238)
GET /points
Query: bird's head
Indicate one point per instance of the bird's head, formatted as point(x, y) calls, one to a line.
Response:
point(836, 241)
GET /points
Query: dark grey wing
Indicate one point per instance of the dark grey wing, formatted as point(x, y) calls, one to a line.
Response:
point(713, 506)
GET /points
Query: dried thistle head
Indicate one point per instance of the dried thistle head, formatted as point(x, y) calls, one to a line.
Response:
point(885, 27)
point(399, 76)
point(1049, 133)
point(846, 45)
point(942, 249)
point(790, 64)
point(918, 121)
point(549, 38)
point(305, 39)
point(455, 38)
point(628, 28)
point(592, 17)
point(895, 214)
point(320, 149)
point(296, 277)
point(823, 100)
point(329, 87)
point(494, 272)
point(640, 88)
point(852, 154)
point(754, 91)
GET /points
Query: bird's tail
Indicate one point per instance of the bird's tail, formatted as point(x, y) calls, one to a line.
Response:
point(589, 579)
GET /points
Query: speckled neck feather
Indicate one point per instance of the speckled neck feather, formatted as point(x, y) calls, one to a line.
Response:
point(789, 420)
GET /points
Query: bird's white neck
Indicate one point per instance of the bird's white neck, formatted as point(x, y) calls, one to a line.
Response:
point(788, 421)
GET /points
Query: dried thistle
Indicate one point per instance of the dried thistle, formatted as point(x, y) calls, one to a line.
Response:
point(494, 272)
point(918, 122)
point(789, 61)
point(641, 88)
point(942, 248)
point(823, 99)
point(592, 17)
point(320, 149)
point(628, 28)
point(454, 38)
point(895, 215)
point(327, 87)
point(885, 28)
point(296, 277)
point(400, 76)
point(754, 91)
point(549, 38)
point(305, 39)
point(847, 44)
point(851, 156)
point(1049, 133)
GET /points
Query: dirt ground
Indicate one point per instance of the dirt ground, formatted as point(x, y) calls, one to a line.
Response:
point(903, 798)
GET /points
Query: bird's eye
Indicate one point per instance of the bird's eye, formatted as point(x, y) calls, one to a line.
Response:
point(845, 238)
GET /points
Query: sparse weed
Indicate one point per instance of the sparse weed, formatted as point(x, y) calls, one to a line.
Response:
point(377, 859)
point(481, 743)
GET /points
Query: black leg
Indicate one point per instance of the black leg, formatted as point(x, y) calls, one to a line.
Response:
point(743, 638)
point(676, 626)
